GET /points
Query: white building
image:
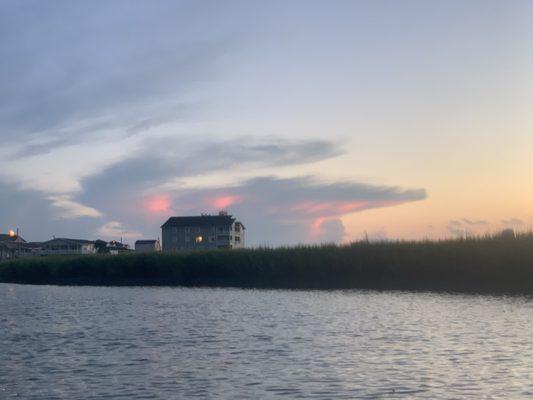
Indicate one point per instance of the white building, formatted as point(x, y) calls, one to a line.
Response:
point(64, 246)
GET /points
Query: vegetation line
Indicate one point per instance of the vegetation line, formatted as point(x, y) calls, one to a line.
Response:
point(488, 264)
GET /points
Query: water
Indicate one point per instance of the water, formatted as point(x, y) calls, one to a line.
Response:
point(171, 343)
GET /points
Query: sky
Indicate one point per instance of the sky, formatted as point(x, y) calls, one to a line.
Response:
point(310, 121)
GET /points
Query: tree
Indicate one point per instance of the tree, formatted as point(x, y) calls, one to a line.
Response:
point(101, 246)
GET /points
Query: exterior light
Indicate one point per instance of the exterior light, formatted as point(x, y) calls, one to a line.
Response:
point(199, 239)
point(12, 233)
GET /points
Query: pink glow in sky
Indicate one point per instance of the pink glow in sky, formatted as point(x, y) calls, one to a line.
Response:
point(316, 227)
point(337, 208)
point(158, 204)
point(223, 202)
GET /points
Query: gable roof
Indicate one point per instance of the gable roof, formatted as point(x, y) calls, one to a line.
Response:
point(68, 241)
point(203, 220)
point(4, 237)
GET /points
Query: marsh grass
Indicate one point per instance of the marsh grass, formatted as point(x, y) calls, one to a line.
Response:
point(484, 264)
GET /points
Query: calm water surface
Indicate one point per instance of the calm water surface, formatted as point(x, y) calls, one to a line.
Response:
point(171, 343)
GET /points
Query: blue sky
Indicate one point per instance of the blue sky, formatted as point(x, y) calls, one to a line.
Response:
point(402, 119)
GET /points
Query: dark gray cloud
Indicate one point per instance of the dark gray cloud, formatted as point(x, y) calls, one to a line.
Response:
point(38, 148)
point(174, 158)
point(297, 210)
point(121, 192)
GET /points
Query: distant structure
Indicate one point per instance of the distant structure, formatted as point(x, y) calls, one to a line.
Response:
point(115, 247)
point(12, 246)
point(147, 246)
point(64, 246)
point(508, 234)
point(221, 231)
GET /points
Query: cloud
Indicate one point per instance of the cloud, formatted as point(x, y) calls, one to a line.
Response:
point(279, 211)
point(69, 68)
point(467, 227)
point(328, 230)
point(114, 230)
point(295, 210)
point(38, 218)
point(129, 183)
point(472, 222)
point(96, 79)
point(72, 209)
point(38, 148)
point(512, 223)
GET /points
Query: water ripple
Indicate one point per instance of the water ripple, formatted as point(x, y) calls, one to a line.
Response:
point(173, 343)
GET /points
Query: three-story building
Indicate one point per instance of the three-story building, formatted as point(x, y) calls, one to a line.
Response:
point(221, 231)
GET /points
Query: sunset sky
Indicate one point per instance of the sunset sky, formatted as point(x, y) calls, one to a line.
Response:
point(310, 121)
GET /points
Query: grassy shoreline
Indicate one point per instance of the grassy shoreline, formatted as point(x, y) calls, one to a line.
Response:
point(489, 264)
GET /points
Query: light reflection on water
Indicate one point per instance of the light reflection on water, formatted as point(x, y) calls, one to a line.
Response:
point(166, 343)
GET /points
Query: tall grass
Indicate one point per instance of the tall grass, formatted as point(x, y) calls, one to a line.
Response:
point(488, 264)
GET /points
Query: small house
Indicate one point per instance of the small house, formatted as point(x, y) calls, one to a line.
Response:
point(146, 246)
point(65, 246)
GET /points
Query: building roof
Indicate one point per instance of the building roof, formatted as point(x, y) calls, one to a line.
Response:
point(203, 220)
point(33, 244)
point(4, 237)
point(69, 241)
point(146, 241)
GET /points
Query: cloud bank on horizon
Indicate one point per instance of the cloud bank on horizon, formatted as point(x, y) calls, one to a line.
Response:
point(115, 115)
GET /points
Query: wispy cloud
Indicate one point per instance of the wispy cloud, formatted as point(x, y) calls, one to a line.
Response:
point(114, 230)
point(109, 68)
point(39, 218)
point(467, 227)
point(72, 209)
point(474, 222)
point(513, 223)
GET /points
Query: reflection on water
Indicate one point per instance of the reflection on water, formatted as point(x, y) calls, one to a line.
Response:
point(165, 343)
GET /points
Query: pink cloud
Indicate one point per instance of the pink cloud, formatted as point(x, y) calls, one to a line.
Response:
point(337, 208)
point(224, 202)
point(157, 204)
